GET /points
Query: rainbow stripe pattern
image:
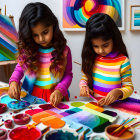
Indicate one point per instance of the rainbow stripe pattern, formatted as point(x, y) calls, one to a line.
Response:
point(110, 72)
point(45, 79)
point(8, 39)
point(77, 12)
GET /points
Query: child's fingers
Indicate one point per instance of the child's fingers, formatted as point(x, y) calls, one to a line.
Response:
point(101, 102)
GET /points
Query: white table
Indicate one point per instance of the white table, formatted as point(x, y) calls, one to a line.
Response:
point(121, 117)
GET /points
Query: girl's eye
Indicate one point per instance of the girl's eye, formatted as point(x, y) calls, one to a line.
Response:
point(46, 32)
point(35, 35)
point(105, 46)
point(94, 46)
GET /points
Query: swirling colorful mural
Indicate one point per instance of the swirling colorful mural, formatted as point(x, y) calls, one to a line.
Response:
point(77, 12)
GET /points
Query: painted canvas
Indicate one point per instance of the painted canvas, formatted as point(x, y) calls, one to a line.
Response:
point(8, 39)
point(135, 17)
point(77, 12)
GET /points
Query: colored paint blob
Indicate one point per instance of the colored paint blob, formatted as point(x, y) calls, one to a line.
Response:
point(101, 128)
point(17, 105)
point(110, 113)
point(23, 133)
point(32, 112)
point(77, 104)
point(60, 135)
point(49, 106)
point(94, 106)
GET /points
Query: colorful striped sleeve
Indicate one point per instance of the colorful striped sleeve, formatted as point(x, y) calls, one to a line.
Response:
point(127, 86)
point(83, 81)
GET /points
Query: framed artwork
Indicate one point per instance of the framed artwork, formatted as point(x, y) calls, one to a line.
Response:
point(135, 17)
point(77, 12)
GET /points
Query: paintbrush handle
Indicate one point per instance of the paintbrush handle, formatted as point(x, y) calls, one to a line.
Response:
point(122, 131)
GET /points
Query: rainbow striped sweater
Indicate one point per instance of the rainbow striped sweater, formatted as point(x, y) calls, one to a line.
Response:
point(110, 72)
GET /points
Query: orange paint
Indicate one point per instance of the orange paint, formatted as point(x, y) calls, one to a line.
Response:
point(94, 106)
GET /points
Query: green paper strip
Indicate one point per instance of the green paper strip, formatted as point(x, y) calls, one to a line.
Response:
point(110, 118)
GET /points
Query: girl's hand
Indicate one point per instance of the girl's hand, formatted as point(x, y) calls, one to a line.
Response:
point(56, 97)
point(14, 90)
point(84, 91)
point(111, 97)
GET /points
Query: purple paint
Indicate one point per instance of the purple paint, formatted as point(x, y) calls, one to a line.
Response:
point(110, 113)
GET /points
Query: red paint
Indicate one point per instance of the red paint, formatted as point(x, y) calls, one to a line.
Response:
point(75, 97)
point(23, 133)
point(135, 92)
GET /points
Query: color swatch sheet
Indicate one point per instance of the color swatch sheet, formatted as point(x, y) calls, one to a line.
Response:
point(79, 116)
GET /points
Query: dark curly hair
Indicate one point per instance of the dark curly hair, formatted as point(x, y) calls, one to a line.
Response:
point(32, 14)
point(101, 26)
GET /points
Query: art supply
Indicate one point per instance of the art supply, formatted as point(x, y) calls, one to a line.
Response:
point(21, 119)
point(3, 108)
point(18, 105)
point(62, 134)
point(23, 133)
point(8, 123)
point(79, 129)
point(77, 104)
point(3, 134)
point(46, 130)
point(84, 133)
point(127, 135)
point(98, 137)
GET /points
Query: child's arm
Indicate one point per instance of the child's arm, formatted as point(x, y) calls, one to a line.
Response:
point(14, 82)
point(127, 86)
point(84, 89)
point(17, 75)
point(64, 84)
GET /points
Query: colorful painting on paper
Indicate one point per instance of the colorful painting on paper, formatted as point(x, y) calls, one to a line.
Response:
point(8, 39)
point(77, 12)
point(135, 17)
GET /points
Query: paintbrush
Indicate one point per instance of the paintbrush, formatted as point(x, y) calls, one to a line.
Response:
point(79, 129)
point(83, 135)
point(126, 128)
point(54, 106)
point(46, 130)
point(120, 127)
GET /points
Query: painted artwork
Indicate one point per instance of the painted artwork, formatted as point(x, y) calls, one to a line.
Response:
point(135, 17)
point(8, 39)
point(77, 12)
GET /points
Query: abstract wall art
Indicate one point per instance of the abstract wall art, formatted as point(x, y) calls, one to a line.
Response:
point(135, 17)
point(77, 12)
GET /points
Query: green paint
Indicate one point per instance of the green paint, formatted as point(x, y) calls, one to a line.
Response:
point(77, 104)
point(110, 118)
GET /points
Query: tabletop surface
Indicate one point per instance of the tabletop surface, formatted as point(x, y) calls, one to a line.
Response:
point(121, 116)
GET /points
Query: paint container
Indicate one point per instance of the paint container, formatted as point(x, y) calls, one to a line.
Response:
point(3, 108)
point(127, 135)
point(98, 137)
point(23, 133)
point(62, 134)
point(21, 119)
point(8, 123)
point(3, 134)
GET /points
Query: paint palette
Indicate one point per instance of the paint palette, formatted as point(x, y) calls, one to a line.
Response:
point(18, 105)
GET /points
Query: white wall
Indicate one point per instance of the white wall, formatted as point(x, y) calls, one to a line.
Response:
point(75, 39)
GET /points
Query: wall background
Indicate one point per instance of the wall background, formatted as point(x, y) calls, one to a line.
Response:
point(75, 39)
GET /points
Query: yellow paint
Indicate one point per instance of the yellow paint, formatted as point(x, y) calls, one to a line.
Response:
point(89, 4)
point(94, 107)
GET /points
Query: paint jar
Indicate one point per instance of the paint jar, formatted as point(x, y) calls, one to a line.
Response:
point(62, 134)
point(3, 134)
point(23, 133)
point(3, 108)
point(8, 123)
point(21, 119)
point(98, 137)
point(127, 135)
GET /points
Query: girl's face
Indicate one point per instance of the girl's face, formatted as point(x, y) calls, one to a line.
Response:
point(42, 35)
point(101, 47)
